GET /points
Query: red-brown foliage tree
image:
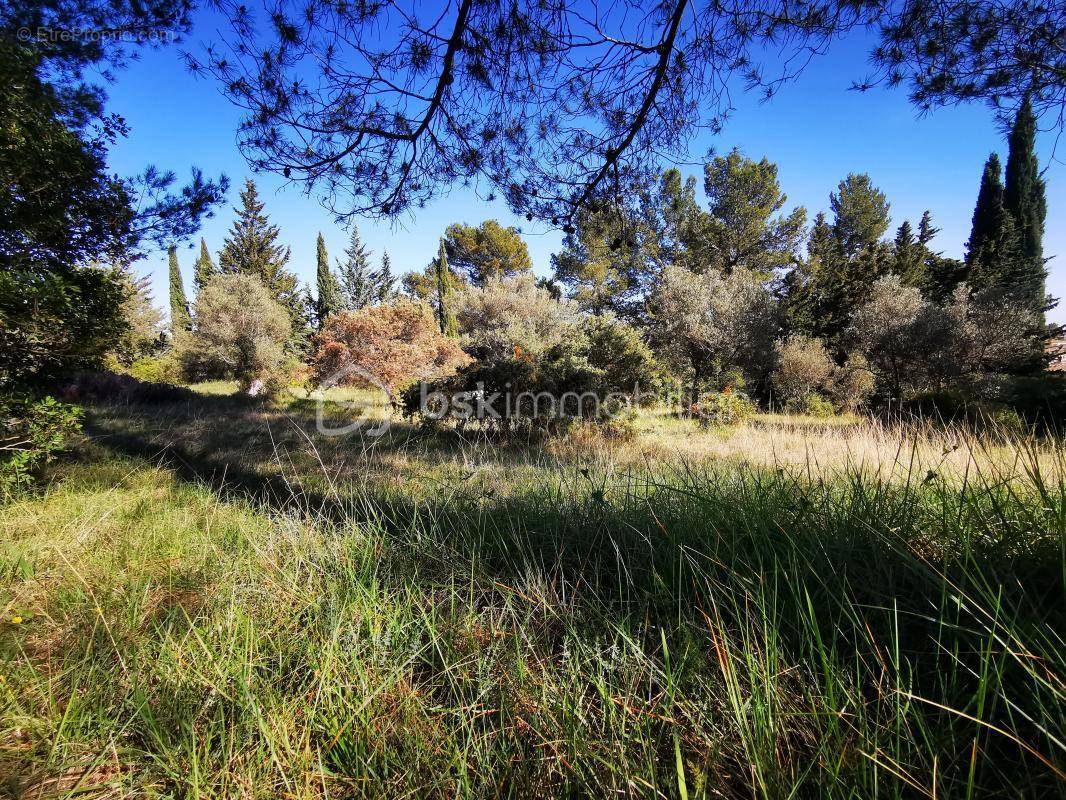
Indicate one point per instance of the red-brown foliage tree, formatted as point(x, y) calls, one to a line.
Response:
point(390, 345)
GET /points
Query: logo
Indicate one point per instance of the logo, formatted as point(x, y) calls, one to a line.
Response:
point(360, 418)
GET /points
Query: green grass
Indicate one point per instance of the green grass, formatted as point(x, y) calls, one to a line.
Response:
point(216, 603)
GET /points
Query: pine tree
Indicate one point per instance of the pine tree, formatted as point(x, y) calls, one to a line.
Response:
point(356, 281)
point(908, 256)
point(180, 319)
point(251, 249)
point(940, 275)
point(384, 281)
point(445, 312)
point(805, 284)
point(329, 300)
point(204, 268)
point(992, 249)
point(1024, 200)
point(860, 214)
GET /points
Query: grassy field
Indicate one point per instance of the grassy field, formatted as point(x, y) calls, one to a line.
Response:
point(213, 600)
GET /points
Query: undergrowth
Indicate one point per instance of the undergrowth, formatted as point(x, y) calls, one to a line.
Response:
point(700, 630)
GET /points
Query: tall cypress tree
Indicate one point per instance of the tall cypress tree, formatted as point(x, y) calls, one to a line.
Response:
point(356, 281)
point(1024, 199)
point(251, 248)
point(180, 318)
point(328, 300)
point(445, 312)
point(992, 249)
point(204, 268)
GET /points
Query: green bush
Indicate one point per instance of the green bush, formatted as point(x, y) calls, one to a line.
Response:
point(155, 369)
point(592, 374)
point(32, 432)
point(812, 405)
point(240, 334)
point(723, 408)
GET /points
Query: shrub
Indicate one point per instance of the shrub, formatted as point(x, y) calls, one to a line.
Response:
point(514, 318)
point(156, 369)
point(917, 346)
point(619, 354)
point(813, 405)
point(723, 408)
point(802, 367)
point(592, 373)
point(240, 333)
point(711, 321)
point(32, 432)
point(390, 346)
point(851, 386)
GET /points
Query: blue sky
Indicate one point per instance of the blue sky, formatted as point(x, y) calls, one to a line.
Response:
point(815, 129)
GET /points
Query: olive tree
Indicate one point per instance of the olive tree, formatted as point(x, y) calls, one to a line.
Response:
point(914, 344)
point(239, 333)
point(505, 318)
point(709, 323)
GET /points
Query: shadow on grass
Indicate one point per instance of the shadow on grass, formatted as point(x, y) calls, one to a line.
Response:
point(874, 590)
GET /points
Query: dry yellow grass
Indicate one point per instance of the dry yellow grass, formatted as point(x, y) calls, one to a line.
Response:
point(815, 445)
point(774, 440)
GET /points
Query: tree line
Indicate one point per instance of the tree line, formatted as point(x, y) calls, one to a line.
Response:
point(738, 293)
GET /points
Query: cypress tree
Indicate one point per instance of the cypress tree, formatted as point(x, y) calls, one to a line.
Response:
point(993, 245)
point(445, 313)
point(356, 281)
point(204, 268)
point(180, 319)
point(251, 248)
point(329, 299)
point(1024, 200)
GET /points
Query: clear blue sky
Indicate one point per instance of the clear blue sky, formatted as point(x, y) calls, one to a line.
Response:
point(816, 130)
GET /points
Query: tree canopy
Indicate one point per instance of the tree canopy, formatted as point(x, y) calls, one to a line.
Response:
point(744, 197)
point(68, 226)
point(486, 251)
point(377, 108)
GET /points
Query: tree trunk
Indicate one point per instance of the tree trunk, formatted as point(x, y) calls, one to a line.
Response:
point(695, 392)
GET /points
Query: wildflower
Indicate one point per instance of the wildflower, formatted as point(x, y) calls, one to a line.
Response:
point(16, 620)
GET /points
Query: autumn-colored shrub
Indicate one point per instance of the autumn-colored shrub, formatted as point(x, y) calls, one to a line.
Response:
point(389, 346)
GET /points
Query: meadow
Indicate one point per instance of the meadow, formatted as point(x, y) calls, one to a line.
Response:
point(211, 599)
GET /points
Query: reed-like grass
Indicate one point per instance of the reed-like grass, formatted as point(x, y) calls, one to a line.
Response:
point(471, 620)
